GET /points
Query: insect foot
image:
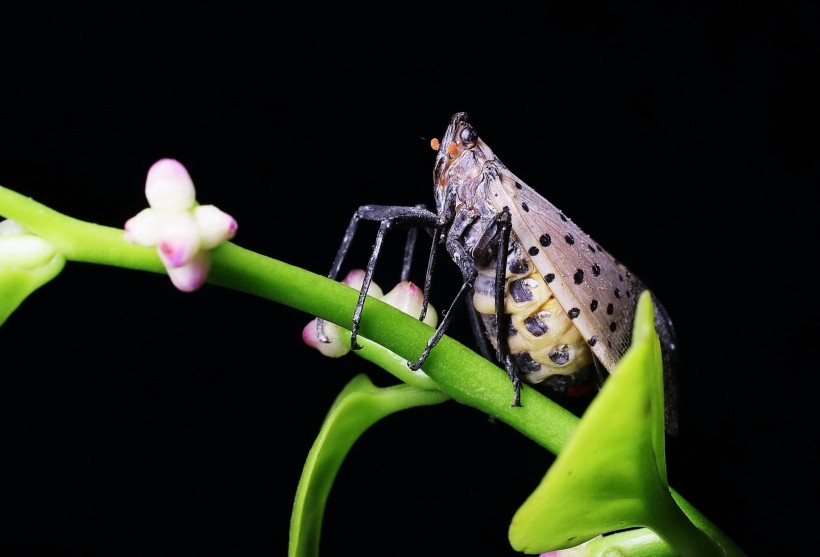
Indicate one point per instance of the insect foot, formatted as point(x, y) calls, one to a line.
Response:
point(405, 296)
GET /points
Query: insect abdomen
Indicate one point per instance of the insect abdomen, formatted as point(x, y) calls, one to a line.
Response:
point(541, 336)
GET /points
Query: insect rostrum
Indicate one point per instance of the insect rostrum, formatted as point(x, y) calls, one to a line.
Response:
point(549, 304)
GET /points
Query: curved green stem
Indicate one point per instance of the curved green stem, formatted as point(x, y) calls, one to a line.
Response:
point(358, 407)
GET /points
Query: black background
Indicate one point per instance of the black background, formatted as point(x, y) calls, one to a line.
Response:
point(137, 420)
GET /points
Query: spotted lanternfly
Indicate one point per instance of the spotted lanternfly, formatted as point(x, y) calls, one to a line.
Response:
point(549, 304)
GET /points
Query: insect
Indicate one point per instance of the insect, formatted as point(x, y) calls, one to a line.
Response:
point(549, 304)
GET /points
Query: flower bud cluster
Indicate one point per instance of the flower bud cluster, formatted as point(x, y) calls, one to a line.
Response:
point(182, 231)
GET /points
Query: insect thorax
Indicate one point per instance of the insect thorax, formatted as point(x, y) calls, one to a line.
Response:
point(542, 339)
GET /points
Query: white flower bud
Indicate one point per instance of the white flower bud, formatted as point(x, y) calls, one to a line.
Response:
point(169, 187)
point(354, 280)
point(9, 226)
point(192, 275)
point(179, 240)
point(144, 228)
point(408, 297)
point(336, 347)
point(214, 226)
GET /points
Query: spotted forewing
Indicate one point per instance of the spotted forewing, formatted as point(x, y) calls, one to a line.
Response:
point(596, 291)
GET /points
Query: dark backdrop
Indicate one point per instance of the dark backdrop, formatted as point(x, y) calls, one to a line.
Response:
point(137, 420)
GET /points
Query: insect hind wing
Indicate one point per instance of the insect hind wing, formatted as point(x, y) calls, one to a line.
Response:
point(669, 355)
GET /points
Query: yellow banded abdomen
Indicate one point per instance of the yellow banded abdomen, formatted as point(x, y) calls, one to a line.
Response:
point(541, 337)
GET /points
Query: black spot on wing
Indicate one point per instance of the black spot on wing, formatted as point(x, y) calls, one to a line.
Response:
point(579, 271)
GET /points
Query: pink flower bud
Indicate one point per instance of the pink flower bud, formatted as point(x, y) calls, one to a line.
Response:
point(192, 275)
point(355, 278)
point(143, 229)
point(214, 226)
point(336, 348)
point(179, 241)
point(169, 187)
point(408, 297)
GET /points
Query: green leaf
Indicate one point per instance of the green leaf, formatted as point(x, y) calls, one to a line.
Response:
point(612, 474)
point(358, 406)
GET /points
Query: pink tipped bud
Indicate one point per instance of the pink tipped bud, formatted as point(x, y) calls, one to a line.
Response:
point(355, 278)
point(214, 226)
point(169, 187)
point(143, 229)
point(408, 298)
point(333, 349)
point(179, 241)
point(191, 276)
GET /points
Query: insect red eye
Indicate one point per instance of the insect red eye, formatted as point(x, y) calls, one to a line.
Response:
point(452, 148)
point(434, 144)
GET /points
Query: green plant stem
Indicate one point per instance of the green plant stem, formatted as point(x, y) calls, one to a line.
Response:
point(461, 373)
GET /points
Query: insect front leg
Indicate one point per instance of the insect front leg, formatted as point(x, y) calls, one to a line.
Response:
point(428, 276)
point(390, 217)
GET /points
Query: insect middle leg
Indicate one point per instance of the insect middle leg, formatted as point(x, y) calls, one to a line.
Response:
point(498, 243)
